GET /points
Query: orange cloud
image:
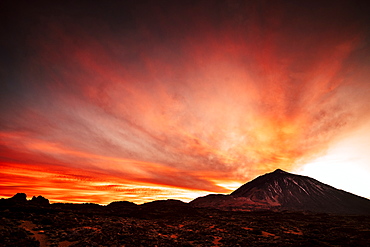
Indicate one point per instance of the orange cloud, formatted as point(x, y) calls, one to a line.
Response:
point(181, 100)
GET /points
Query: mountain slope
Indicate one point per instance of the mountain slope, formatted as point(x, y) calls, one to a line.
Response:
point(280, 190)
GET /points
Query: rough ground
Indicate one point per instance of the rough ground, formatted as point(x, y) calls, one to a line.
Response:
point(171, 226)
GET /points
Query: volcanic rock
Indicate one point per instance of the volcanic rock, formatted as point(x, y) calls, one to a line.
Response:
point(40, 200)
point(19, 198)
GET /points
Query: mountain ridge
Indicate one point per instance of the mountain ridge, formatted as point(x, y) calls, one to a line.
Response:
point(275, 191)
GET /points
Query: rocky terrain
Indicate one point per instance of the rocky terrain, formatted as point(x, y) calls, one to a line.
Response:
point(169, 225)
point(276, 209)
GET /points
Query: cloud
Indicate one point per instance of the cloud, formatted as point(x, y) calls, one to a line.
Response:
point(183, 96)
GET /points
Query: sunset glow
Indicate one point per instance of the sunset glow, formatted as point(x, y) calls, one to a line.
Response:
point(142, 100)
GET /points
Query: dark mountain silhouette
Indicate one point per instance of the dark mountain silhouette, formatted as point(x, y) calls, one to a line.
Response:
point(40, 200)
point(280, 190)
point(165, 208)
point(169, 203)
point(121, 204)
point(17, 199)
point(21, 199)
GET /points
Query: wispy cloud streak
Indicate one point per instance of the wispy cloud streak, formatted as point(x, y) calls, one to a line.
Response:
point(181, 96)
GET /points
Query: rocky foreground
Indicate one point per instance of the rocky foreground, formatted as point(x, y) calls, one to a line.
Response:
point(172, 223)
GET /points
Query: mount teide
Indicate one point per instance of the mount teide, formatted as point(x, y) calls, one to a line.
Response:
point(280, 190)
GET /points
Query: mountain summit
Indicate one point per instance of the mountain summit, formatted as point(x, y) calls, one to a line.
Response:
point(281, 190)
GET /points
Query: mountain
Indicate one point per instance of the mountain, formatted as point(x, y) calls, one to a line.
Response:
point(280, 190)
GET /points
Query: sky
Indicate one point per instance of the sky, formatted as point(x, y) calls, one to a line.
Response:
point(106, 101)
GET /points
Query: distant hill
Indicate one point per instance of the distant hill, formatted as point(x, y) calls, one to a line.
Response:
point(280, 190)
point(275, 191)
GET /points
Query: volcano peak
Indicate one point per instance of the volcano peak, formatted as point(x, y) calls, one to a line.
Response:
point(280, 171)
point(281, 190)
